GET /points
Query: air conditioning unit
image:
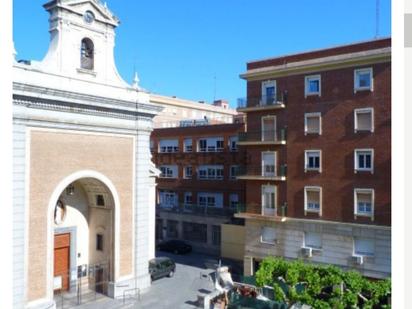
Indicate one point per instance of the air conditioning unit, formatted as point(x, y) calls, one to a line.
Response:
point(357, 259)
point(306, 251)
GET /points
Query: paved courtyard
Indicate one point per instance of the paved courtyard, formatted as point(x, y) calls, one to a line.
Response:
point(194, 275)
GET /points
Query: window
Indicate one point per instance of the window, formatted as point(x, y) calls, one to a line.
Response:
point(364, 160)
point(313, 240)
point(364, 119)
point(195, 232)
point(363, 79)
point(210, 199)
point(233, 143)
point(269, 128)
point(211, 144)
point(268, 200)
point(168, 171)
point(99, 242)
point(268, 235)
point(234, 171)
point(363, 246)
point(210, 172)
point(168, 145)
point(216, 235)
point(87, 54)
point(313, 160)
point(234, 200)
point(313, 123)
point(188, 198)
point(187, 145)
point(312, 85)
point(151, 145)
point(313, 199)
point(99, 200)
point(167, 199)
point(172, 229)
point(268, 164)
point(187, 172)
point(268, 93)
point(364, 202)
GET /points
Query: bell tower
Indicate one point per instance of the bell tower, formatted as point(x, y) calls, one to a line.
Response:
point(82, 40)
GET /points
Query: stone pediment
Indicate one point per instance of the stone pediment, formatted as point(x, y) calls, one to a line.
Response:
point(100, 11)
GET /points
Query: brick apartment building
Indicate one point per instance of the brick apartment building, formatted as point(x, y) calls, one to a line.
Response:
point(197, 190)
point(318, 150)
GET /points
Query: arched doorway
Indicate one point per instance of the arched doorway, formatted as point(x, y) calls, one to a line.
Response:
point(83, 234)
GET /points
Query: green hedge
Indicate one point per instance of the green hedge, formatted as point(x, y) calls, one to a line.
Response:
point(321, 286)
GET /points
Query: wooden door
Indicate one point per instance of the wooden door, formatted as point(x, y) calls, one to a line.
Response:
point(62, 259)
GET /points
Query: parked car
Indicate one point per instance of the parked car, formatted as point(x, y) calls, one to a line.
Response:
point(175, 246)
point(161, 267)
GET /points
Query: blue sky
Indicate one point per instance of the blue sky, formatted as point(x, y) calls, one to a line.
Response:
point(196, 49)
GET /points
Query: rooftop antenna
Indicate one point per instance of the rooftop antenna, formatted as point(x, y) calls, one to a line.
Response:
point(377, 20)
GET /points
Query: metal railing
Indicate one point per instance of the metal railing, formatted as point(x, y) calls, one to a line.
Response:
point(263, 136)
point(86, 284)
point(268, 171)
point(254, 208)
point(262, 101)
point(196, 209)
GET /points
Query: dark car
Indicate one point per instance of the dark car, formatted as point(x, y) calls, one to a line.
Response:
point(175, 246)
point(161, 267)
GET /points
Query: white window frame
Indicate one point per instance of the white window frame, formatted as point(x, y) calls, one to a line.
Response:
point(356, 160)
point(274, 242)
point(363, 111)
point(306, 245)
point(309, 115)
point(311, 78)
point(263, 191)
point(354, 253)
point(211, 144)
point(355, 202)
point(274, 163)
point(356, 80)
point(173, 168)
point(169, 193)
point(313, 188)
point(185, 175)
point(233, 139)
point(319, 169)
point(218, 199)
point(186, 145)
point(231, 176)
point(186, 194)
point(262, 126)
point(169, 148)
point(267, 84)
point(210, 167)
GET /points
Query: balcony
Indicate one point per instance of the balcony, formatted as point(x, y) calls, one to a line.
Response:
point(256, 211)
point(262, 172)
point(198, 210)
point(250, 104)
point(266, 137)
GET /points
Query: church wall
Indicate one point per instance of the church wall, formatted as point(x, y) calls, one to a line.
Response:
point(54, 156)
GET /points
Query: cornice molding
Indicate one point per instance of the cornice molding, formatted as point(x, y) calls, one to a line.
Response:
point(320, 64)
point(38, 103)
point(86, 99)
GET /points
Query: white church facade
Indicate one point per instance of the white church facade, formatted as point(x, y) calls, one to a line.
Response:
point(83, 177)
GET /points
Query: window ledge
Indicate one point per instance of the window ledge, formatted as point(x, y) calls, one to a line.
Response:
point(86, 71)
point(312, 94)
point(363, 89)
point(363, 171)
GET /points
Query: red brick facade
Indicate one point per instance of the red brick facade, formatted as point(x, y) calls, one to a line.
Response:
point(337, 141)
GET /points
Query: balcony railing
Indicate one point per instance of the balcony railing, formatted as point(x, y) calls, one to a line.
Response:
point(266, 136)
point(278, 100)
point(260, 210)
point(266, 171)
point(196, 209)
